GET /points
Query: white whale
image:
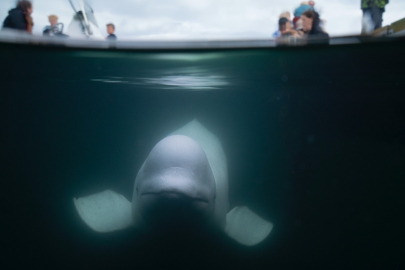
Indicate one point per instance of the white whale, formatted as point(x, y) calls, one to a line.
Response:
point(184, 180)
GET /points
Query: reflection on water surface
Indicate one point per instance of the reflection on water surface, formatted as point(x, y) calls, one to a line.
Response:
point(193, 78)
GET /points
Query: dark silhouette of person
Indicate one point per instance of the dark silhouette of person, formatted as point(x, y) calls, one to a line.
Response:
point(19, 18)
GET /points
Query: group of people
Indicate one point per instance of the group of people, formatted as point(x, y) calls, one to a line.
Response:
point(305, 27)
point(19, 18)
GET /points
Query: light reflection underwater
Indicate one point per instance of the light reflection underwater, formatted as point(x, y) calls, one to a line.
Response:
point(192, 78)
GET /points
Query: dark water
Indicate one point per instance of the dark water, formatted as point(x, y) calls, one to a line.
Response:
point(314, 136)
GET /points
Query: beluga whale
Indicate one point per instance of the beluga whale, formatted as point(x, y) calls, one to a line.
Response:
point(182, 185)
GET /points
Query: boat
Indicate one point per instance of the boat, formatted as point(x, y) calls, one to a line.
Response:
point(396, 29)
point(84, 23)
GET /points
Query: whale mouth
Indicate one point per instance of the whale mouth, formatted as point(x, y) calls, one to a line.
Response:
point(174, 195)
point(173, 210)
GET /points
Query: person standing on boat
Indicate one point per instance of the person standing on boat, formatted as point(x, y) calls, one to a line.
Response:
point(19, 18)
point(110, 30)
point(373, 9)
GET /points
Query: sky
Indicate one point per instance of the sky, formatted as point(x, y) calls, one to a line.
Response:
point(203, 19)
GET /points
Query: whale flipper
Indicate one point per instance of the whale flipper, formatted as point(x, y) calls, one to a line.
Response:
point(105, 211)
point(246, 227)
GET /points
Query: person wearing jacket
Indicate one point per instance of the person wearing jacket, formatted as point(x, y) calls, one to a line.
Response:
point(305, 6)
point(55, 29)
point(110, 30)
point(286, 15)
point(374, 10)
point(19, 18)
point(288, 36)
point(51, 29)
point(311, 24)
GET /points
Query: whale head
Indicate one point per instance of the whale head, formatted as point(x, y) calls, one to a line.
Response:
point(175, 186)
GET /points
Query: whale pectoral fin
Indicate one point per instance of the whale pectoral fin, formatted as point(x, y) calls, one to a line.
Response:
point(105, 211)
point(246, 227)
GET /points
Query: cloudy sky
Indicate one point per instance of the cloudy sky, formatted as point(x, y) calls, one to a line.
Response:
point(203, 19)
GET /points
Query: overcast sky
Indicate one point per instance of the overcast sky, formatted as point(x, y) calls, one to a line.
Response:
point(203, 19)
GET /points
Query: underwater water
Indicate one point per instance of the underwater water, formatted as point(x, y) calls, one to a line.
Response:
point(314, 139)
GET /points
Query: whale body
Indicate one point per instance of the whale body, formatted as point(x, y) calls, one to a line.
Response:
point(183, 185)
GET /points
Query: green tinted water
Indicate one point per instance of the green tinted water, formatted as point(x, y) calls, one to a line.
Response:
point(314, 138)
